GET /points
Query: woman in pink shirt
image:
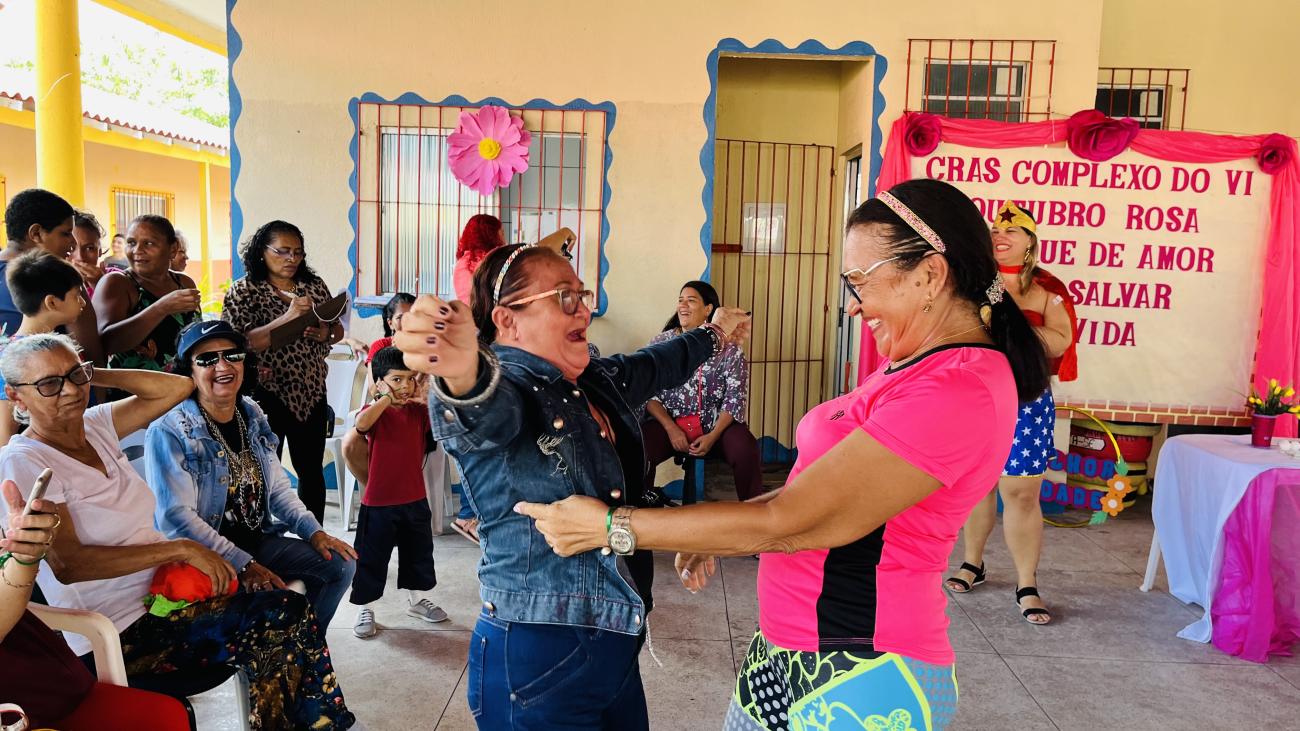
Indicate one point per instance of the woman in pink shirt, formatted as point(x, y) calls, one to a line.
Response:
point(851, 604)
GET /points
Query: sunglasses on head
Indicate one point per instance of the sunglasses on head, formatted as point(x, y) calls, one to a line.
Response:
point(230, 355)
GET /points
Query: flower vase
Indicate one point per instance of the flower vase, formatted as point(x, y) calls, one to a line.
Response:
point(1261, 430)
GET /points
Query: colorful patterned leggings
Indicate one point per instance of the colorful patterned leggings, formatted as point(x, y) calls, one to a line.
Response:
point(782, 689)
point(270, 635)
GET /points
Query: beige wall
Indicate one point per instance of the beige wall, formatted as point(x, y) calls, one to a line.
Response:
point(108, 166)
point(649, 59)
point(1241, 54)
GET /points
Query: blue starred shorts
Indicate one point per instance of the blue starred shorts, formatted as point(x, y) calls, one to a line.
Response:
point(1033, 447)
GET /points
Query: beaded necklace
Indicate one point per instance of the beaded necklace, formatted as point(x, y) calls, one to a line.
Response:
point(244, 473)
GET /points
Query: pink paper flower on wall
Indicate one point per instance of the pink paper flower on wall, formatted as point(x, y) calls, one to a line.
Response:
point(488, 149)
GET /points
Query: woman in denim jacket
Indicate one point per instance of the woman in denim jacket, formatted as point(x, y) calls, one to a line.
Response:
point(535, 418)
point(211, 461)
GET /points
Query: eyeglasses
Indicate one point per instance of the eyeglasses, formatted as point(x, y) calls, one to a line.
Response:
point(288, 253)
point(230, 355)
point(569, 299)
point(855, 278)
point(53, 385)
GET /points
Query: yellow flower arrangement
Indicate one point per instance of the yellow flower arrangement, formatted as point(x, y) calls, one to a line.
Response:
point(1274, 402)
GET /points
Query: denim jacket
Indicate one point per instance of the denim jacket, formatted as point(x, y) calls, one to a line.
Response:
point(189, 474)
point(534, 439)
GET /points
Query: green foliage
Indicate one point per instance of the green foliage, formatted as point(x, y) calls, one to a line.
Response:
point(147, 75)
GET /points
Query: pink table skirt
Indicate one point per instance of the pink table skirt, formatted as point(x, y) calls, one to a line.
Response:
point(1256, 606)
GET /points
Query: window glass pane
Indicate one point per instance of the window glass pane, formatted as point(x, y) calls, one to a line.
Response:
point(423, 208)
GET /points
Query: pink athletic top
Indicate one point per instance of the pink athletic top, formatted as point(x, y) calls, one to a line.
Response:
point(951, 414)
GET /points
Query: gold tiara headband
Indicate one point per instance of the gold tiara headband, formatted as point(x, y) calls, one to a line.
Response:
point(913, 220)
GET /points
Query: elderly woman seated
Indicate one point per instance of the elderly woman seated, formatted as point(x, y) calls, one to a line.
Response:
point(211, 462)
point(106, 552)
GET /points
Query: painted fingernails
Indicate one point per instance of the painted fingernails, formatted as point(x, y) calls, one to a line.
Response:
point(444, 311)
point(431, 340)
point(433, 359)
point(439, 326)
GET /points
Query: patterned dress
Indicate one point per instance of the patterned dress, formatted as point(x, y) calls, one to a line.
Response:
point(157, 351)
point(721, 384)
point(295, 373)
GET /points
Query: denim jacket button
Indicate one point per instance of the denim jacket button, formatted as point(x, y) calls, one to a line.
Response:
point(577, 393)
point(558, 423)
point(448, 415)
point(221, 453)
point(616, 494)
point(513, 697)
point(490, 607)
point(636, 619)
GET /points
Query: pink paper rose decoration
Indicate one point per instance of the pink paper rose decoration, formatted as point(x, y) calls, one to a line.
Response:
point(1274, 153)
point(488, 149)
point(923, 134)
point(1094, 136)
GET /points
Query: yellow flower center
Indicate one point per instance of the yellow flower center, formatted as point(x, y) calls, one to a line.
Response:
point(489, 149)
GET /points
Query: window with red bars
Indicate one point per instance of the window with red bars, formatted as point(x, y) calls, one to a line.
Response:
point(1155, 97)
point(1004, 79)
point(411, 209)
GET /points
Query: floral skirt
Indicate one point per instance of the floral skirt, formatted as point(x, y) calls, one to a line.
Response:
point(271, 636)
point(782, 689)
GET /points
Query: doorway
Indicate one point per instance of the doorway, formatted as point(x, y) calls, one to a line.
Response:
point(783, 128)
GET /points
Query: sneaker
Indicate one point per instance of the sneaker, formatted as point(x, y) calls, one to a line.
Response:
point(365, 627)
point(426, 610)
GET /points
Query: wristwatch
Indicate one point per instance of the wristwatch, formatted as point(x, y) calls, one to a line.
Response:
point(620, 537)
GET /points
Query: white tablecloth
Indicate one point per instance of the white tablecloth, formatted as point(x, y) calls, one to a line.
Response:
point(1199, 480)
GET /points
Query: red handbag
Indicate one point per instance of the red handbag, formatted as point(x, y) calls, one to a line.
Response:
point(690, 424)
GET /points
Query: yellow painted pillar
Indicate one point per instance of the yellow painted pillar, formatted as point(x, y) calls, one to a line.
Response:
point(205, 203)
point(60, 156)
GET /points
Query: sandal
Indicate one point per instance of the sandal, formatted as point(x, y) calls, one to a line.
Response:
point(1021, 593)
point(467, 528)
point(966, 586)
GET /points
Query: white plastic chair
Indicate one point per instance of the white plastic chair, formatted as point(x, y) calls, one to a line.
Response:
point(133, 447)
point(95, 627)
point(348, 503)
point(437, 485)
point(345, 387)
point(106, 647)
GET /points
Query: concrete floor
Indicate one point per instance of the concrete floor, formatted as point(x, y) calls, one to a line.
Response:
point(1110, 660)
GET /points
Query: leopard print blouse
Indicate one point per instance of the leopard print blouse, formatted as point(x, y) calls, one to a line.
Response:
point(295, 373)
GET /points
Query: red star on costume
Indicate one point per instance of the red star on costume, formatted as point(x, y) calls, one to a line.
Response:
point(1006, 216)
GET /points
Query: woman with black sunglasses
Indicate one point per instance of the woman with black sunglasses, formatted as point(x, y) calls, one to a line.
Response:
point(106, 552)
point(232, 484)
point(277, 288)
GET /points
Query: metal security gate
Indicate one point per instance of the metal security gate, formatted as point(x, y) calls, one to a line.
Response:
point(773, 237)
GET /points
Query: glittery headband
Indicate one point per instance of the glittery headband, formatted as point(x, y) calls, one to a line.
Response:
point(913, 220)
point(501, 276)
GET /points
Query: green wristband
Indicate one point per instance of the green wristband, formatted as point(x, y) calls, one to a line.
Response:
point(609, 521)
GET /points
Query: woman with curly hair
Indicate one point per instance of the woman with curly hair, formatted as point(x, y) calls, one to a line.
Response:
point(276, 288)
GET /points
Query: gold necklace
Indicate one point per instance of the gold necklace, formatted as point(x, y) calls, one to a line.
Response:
point(925, 348)
point(243, 471)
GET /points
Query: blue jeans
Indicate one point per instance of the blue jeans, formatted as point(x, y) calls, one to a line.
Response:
point(291, 558)
point(554, 677)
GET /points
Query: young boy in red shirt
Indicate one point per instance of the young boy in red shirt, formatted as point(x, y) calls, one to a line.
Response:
point(394, 507)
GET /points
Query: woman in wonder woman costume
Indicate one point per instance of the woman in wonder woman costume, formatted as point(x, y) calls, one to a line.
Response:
point(1046, 303)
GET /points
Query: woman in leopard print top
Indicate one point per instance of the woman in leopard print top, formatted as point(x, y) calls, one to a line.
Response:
point(277, 287)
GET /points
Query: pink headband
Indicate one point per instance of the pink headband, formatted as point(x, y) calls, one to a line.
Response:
point(913, 220)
